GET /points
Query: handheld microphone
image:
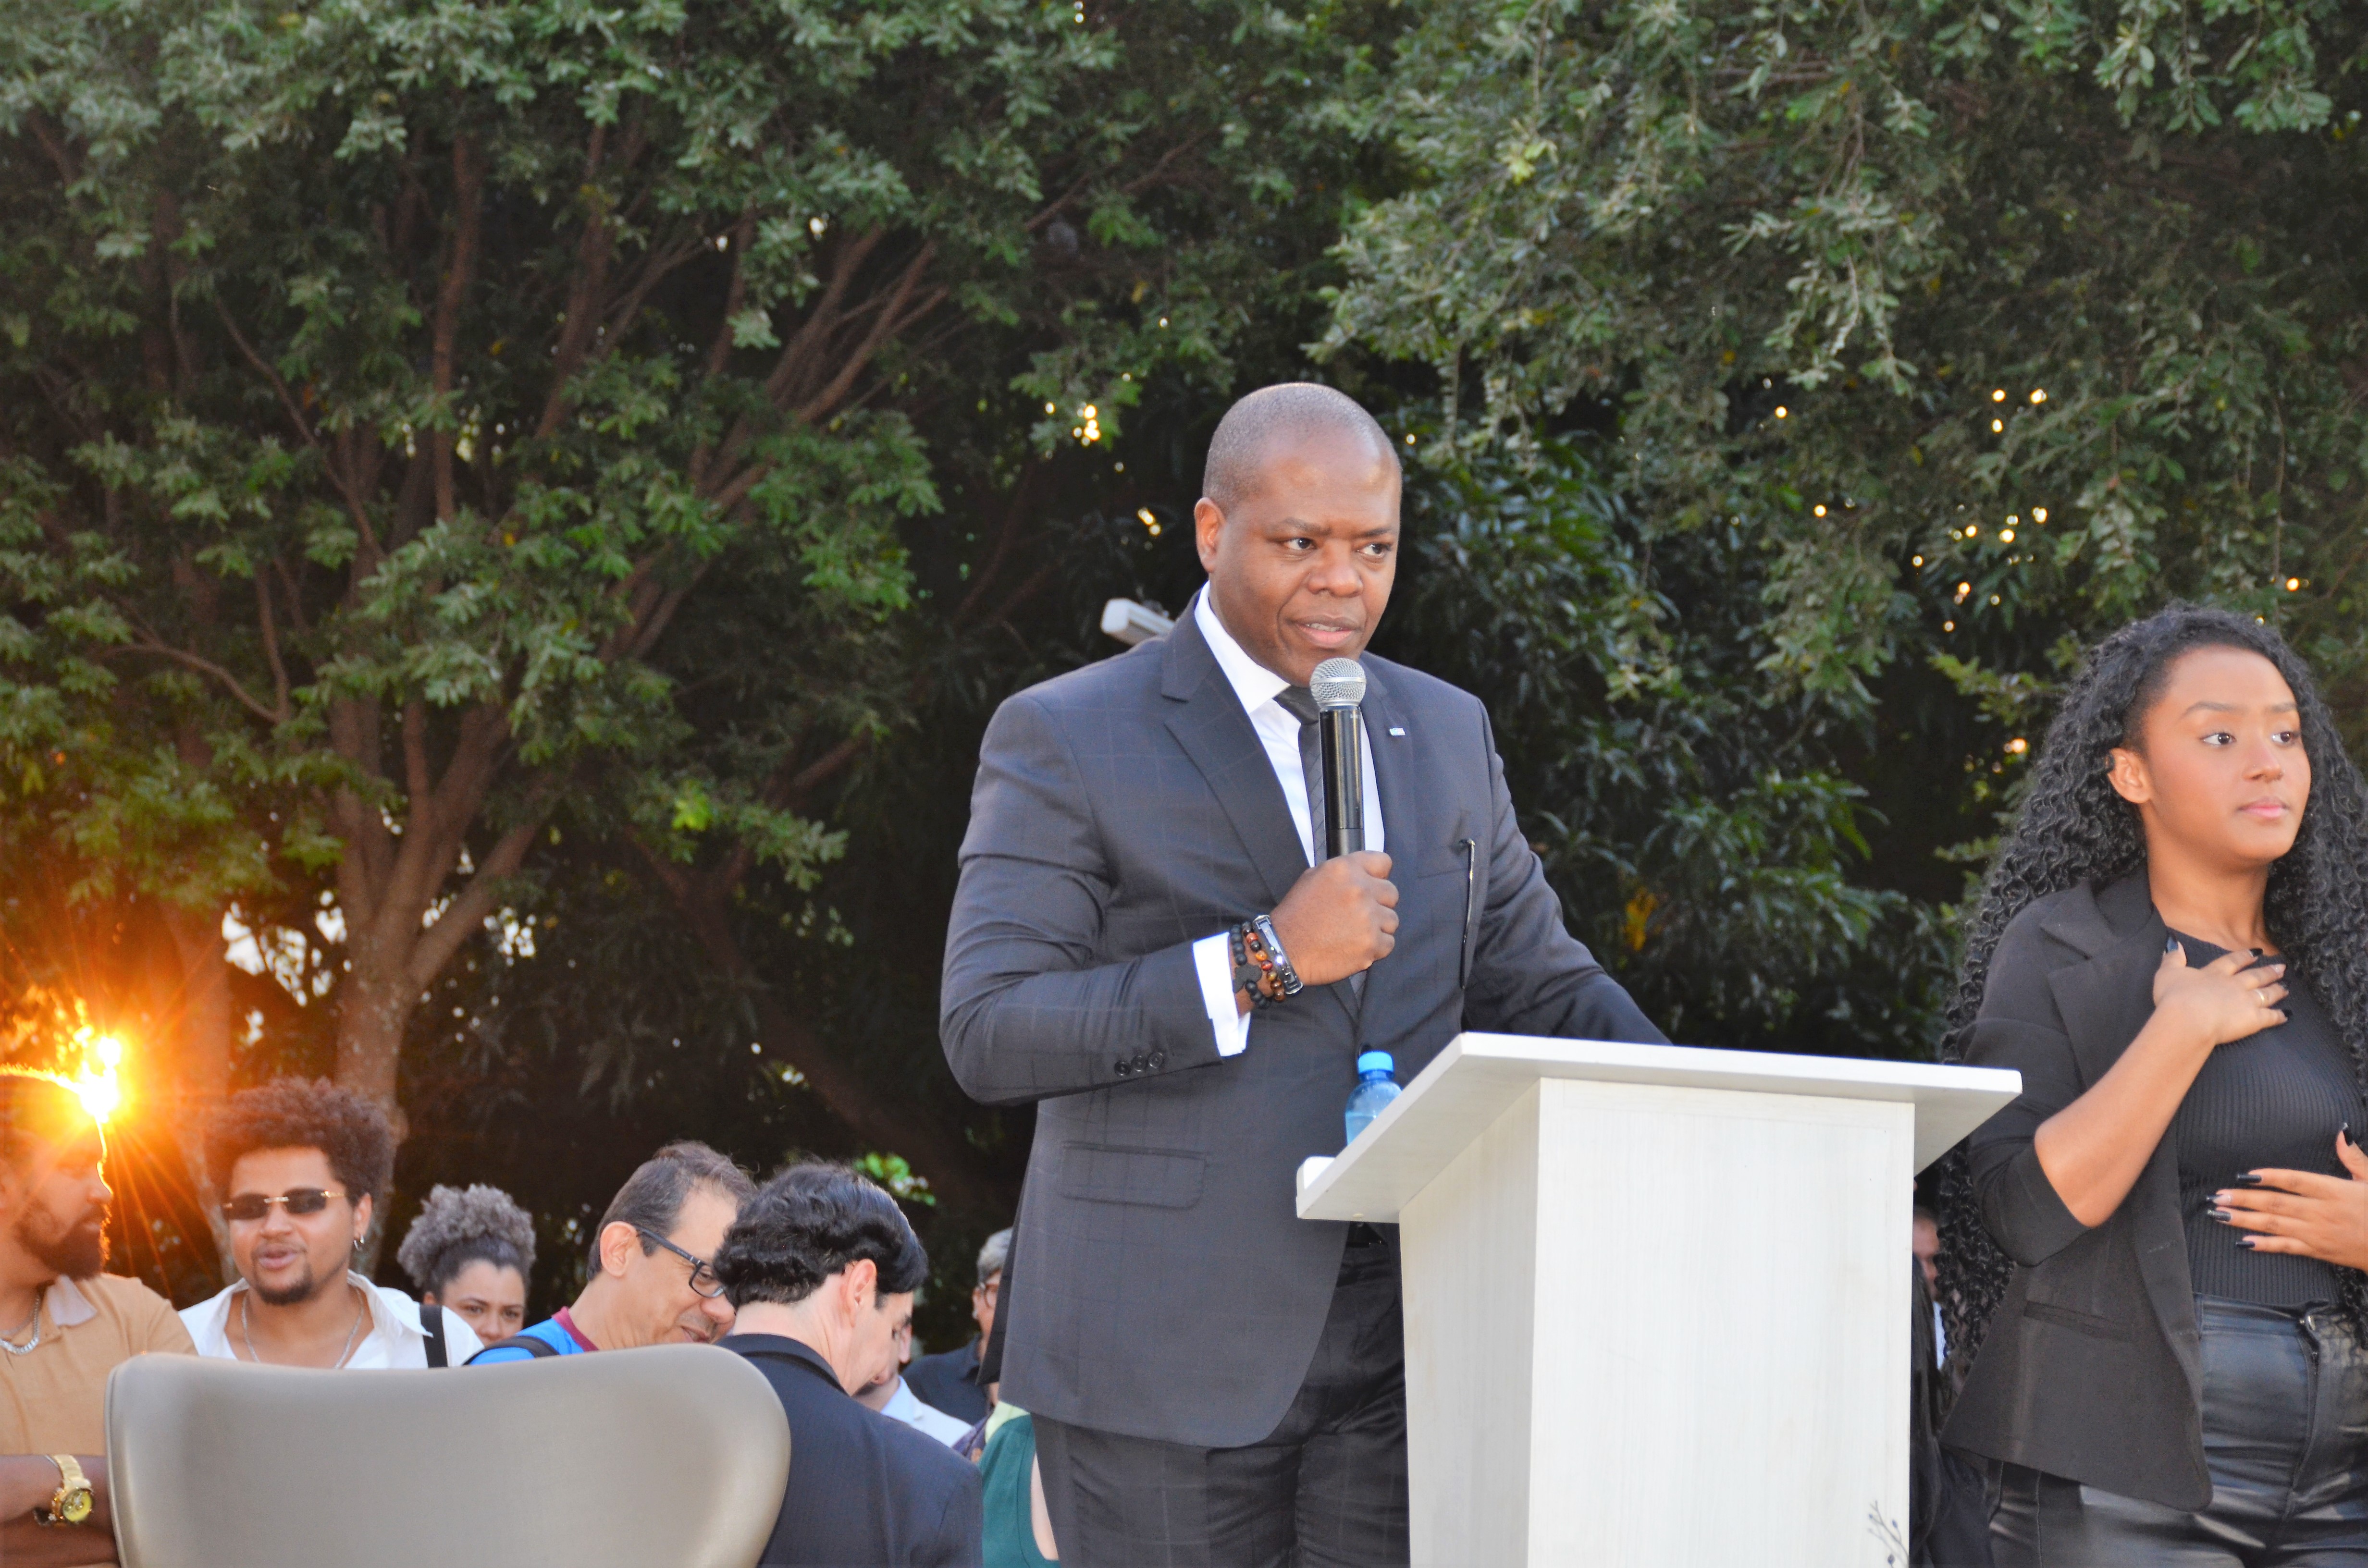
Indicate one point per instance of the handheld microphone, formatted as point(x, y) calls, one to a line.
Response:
point(1338, 688)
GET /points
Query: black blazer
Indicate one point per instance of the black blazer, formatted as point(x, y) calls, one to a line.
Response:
point(865, 1492)
point(2092, 1369)
point(1121, 811)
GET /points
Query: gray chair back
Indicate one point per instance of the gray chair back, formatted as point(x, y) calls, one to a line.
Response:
point(674, 1454)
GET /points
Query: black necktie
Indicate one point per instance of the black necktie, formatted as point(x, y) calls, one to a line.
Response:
point(1300, 702)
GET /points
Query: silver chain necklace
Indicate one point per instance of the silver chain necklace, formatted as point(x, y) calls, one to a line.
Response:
point(34, 1322)
point(246, 1332)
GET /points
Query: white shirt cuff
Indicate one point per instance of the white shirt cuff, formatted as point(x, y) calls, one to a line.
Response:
point(1213, 957)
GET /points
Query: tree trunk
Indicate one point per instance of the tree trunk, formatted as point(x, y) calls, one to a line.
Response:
point(203, 1080)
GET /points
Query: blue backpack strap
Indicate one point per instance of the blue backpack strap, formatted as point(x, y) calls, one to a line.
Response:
point(534, 1344)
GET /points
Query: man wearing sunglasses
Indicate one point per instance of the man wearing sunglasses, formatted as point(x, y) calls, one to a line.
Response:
point(652, 1279)
point(300, 1165)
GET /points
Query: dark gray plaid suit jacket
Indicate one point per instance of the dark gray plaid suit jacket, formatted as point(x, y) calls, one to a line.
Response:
point(1166, 1288)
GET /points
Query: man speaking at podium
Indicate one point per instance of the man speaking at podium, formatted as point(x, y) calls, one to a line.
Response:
point(1215, 1382)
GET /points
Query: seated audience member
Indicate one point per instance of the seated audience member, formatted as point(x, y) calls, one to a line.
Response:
point(892, 1395)
point(64, 1325)
point(653, 1282)
point(299, 1165)
point(949, 1381)
point(472, 1253)
point(822, 1266)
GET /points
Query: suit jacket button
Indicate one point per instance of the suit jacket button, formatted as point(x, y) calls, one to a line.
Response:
point(1121, 1067)
point(1142, 1062)
point(1159, 1059)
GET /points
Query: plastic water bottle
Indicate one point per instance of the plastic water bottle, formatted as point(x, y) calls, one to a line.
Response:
point(1377, 1085)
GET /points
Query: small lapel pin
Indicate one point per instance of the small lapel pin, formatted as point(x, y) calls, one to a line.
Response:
point(1398, 730)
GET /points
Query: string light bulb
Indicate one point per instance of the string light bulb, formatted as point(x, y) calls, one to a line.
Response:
point(2039, 514)
point(1998, 395)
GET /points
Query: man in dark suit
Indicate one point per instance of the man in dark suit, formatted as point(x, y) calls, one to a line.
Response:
point(1213, 1380)
point(821, 1268)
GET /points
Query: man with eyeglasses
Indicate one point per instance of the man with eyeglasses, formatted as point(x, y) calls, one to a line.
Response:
point(949, 1381)
point(300, 1165)
point(652, 1278)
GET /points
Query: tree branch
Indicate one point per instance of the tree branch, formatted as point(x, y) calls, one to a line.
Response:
point(469, 191)
point(149, 643)
point(271, 645)
point(471, 905)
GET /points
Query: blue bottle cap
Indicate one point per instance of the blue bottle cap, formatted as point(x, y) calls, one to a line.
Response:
point(1375, 1062)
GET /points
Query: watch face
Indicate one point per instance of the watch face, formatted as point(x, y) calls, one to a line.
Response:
point(77, 1506)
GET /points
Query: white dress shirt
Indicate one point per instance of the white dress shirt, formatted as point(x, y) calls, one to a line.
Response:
point(926, 1420)
point(392, 1339)
point(1278, 731)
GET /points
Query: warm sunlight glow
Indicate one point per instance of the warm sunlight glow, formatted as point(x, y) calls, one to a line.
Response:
point(97, 1083)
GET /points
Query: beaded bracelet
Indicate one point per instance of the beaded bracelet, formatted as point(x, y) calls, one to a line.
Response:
point(1250, 973)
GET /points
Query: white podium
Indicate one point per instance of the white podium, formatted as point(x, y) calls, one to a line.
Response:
point(1656, 1298)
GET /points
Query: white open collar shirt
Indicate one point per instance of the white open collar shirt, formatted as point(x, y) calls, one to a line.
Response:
point(393, 1339)
point(1278, 732)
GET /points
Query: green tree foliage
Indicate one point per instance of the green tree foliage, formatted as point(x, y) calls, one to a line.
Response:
point(1888, 282)
point(433, 427)
point(1922, 344)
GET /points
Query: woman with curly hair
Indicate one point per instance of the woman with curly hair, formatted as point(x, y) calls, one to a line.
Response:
point(2156, 1251)
point(471, 1252)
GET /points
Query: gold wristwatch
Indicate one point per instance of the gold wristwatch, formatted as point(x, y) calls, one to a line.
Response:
point(71, 1503)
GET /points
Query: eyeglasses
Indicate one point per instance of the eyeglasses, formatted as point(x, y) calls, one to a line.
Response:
point(249, 1207)
point(702, 1273)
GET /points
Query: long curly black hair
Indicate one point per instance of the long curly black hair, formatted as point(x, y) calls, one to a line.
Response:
point(2074, 828)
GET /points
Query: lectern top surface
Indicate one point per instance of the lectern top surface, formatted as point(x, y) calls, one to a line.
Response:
point(1478, 1077)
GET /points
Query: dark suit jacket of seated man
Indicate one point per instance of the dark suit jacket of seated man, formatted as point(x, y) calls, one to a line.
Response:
point(865, 1490)
point(1169, 1324)
point(821, 1266)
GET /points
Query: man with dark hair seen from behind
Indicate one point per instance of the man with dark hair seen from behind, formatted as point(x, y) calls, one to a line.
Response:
point(300, 1165)
point(64, 1326)
point(949, 1381)
point(1132, 823)
point(653, 1275)
point(821, 1268)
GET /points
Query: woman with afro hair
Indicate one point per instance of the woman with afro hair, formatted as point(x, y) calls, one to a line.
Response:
point(471, 1252)
point(2152, 1258)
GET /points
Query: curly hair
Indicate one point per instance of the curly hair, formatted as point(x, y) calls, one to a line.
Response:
point(296, 1113)
point(808, 1223)
point(458, 1226)
point(2074, 828)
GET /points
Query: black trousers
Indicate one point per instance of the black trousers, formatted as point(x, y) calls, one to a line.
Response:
point(1326, 1489)
point(2286, 1436)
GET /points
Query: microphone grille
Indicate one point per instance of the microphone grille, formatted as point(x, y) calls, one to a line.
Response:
point(1337, 682)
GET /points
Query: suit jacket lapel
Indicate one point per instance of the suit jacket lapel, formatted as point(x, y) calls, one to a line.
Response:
point(2104, 1003)
point(1209, 723)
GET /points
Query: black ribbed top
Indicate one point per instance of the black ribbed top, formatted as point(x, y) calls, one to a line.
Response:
point(2276, 1098)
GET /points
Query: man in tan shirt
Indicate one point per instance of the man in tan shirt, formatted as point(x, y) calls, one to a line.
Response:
point(64, 1325)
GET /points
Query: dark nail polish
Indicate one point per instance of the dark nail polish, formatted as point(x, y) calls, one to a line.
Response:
point(2257, 952)
point(2245, 1242)
point(2170, 944)
point(2221, 1215)
point(2248, 1179)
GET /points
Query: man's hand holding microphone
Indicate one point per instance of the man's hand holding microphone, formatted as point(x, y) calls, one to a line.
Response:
point(1337, 919)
